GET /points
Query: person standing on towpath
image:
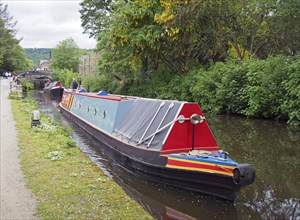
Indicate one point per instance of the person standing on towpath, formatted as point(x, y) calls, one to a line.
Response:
point(16, 201)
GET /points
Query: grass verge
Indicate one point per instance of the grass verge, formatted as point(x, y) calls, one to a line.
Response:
point(66, 183)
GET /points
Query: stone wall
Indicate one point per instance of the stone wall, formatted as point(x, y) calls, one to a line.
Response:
point(88, 64)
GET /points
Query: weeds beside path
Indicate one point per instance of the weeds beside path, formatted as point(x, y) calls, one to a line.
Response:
point(66, 183)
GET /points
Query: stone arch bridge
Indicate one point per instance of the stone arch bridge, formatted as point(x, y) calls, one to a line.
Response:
point(37, 78)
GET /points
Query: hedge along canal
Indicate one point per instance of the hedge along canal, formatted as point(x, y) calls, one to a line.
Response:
point(66, 183)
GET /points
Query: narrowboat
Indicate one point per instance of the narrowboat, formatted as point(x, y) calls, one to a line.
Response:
point(54, 89)
point(168, 141)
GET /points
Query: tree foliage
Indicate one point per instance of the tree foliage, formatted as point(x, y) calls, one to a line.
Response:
point(222, 53)
point(182, 33)
point(17, 59)
point(7, 39)
point(37, 54)
point(284, 27)
point(95, 15)
point(12, 55)
point(66, 55)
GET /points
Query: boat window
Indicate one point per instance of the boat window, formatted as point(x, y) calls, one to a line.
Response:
point(95, 111)
point(104, 114)
point(88, 109)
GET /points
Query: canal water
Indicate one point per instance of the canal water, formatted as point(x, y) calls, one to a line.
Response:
point(273, 148)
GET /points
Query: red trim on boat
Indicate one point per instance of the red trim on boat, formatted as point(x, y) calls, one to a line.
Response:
point(108, 97)
point(181, 135)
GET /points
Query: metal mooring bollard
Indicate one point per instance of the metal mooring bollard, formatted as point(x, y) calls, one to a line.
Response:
point(35, 118)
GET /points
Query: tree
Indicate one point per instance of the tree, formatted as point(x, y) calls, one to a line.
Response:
point(15, 59)
point(179, 34)
point(193, 30)
point(284, 22)
point(207, 30)
point(134, 30)
point(19, 60)
point(95, 16)
point(66, 55)
point(6, 33)
point(12, 56)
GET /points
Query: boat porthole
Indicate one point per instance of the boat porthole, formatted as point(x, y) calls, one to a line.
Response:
point(104, 114)
point(95, 111)
point(88, 109)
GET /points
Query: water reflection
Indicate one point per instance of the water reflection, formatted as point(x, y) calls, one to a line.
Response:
point(160, 201)
point(273, 148)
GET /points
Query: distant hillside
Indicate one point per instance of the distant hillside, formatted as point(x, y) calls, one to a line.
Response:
point(37, 54)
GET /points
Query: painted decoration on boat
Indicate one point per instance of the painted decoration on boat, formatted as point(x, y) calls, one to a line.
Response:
point(204, 161)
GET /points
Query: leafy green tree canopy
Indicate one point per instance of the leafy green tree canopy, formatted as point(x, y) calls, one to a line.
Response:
point(95, 15)
point(180, 33)
point(66, 55)
point(12, 55)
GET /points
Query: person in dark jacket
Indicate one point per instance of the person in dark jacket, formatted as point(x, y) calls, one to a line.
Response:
point(74, 84)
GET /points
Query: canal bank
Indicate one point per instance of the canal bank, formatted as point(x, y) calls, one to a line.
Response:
point(66, 184)
point(17, 201)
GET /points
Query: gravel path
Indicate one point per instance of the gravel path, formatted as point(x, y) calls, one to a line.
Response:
point(17, 201)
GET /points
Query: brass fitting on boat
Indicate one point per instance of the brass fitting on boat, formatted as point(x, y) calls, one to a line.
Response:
point(196, 119)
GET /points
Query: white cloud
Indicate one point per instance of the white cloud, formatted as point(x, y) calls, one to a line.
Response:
point(45, 23)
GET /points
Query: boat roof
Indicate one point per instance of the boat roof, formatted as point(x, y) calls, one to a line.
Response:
point(53, 84)
point(145, 118)
point(145, 122)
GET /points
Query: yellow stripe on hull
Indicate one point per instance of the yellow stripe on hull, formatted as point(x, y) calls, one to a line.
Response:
point(200, 169)
point(70, 101)
point(202, 163)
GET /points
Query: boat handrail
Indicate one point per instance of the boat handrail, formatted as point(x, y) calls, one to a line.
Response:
point(157, 131)
point(163, 128)
point(154, 116)
point(170, 106)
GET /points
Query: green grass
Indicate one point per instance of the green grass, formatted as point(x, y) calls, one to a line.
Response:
point(15, 95)
point(65, 182)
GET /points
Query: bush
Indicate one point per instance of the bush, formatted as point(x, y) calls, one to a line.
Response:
point(291, 86)
point(219, 89)
point(263, 91)
point(26, 85)
point(255, 88)
point(95, 83)
point(205, 87)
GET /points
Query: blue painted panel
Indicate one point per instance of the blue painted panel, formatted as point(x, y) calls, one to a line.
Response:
point(123, 109)
point(99, 112)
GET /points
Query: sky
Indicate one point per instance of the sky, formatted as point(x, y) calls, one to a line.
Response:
point(45, 23)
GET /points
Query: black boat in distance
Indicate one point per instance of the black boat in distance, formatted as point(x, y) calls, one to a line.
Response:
point(54, 89)
point(165, 140)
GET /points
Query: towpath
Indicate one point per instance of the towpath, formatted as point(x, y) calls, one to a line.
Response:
point(17, 201)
